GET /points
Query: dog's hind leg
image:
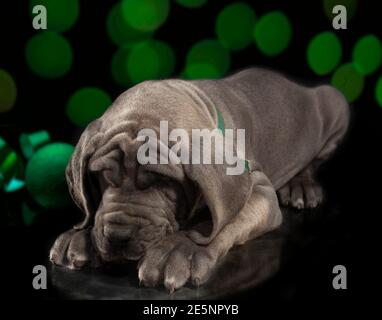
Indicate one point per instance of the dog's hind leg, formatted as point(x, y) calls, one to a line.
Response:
point(302, 191)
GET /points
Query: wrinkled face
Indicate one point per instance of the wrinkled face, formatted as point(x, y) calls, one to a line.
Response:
point(138, 207)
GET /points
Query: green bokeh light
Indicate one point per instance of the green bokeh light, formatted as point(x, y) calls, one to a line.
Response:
point(324, 53)
point(45, 175)
point(49, 55)
point(349, 81)
point(273, 33)
point(61, 14)
point(234, 26)
point(145, 15)
point(367, 54)
point(192, 3)
point(152, 59)
point(378, 91)
point(201, 71)
point(351, 7)
point(87, 104)
point(207, 59)
point(119, 31)
point(119, 67)
point(8, 91)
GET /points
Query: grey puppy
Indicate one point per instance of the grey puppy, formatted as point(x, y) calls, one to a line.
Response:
point(140, 212)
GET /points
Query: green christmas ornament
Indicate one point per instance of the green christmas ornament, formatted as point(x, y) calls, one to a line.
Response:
point(45, 175)
point(11, 168)
point(29, 143)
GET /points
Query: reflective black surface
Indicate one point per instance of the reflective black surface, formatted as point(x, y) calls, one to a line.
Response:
point(245, 267)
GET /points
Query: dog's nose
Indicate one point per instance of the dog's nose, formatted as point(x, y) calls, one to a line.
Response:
point(115, 232)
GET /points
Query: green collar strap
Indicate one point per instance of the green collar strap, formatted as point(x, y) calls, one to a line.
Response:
point(221, 127)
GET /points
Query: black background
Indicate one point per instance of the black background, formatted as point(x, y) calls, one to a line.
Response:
point(350, 178)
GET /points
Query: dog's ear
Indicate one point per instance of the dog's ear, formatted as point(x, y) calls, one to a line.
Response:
point(225, 195)
point(81, 186)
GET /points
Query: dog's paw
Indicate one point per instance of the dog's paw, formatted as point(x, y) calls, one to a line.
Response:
point(73, 249)
point(301, 193)
point(175, 261)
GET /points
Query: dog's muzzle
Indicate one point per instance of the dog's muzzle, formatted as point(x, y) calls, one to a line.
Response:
point(125, 226)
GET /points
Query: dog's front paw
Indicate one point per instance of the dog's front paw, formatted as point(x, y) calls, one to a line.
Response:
point(174, 261)
point(73, 249)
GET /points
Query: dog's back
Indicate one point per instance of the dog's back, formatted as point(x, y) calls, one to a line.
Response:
point(287, 124)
